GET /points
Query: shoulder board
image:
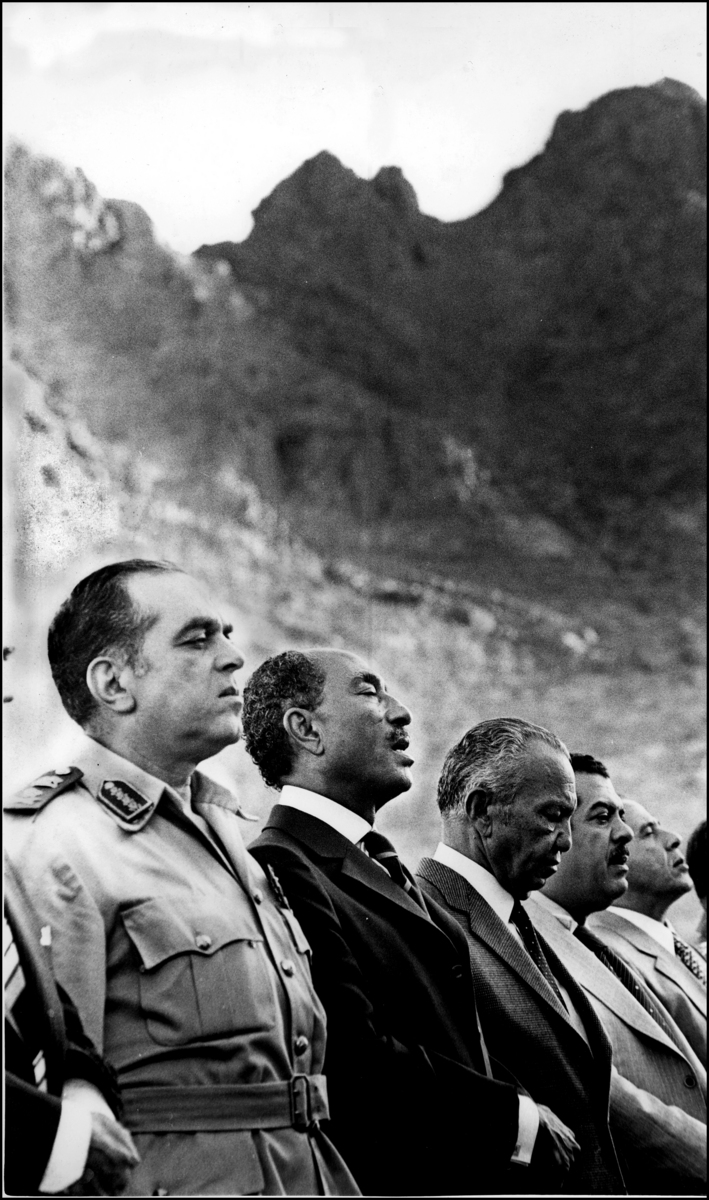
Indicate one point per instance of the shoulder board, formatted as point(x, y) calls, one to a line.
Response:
point(33, 798)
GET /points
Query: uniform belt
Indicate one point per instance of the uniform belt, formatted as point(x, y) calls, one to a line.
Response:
point(300, 1103)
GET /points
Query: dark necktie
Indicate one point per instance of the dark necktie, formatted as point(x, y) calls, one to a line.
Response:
point(691, 960)
point(627, 977)
point(528, 934)
point(381, 850)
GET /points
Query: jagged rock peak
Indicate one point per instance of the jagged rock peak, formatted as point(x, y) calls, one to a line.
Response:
point(391, 184)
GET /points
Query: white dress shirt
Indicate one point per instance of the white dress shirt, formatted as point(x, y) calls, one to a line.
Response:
point(661, 931)
point(339, 818)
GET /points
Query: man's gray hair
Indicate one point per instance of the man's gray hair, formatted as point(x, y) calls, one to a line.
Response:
point(487, 757)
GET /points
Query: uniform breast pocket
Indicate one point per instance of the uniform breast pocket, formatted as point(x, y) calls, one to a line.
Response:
point(204, 973)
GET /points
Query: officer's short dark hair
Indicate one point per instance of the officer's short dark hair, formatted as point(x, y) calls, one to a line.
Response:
point(288, 680)
point(489, 758)
point(99, 617)
point(586, 764)
point(697, 859)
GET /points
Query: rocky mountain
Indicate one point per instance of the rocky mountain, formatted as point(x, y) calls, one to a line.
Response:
point(468, 451)
point(560, 332)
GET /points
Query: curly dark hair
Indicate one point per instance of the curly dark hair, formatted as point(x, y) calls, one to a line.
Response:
point(288, 680)
point(586, 764)
point(697, 859)
point(98, 617)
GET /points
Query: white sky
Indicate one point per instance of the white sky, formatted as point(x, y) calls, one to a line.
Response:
point(196, 111)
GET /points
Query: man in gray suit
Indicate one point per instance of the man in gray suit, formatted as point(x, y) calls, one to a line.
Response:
point(506, 795)
point(658, 1097)
point(636, 926)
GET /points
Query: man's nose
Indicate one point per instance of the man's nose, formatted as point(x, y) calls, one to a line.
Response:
point(229, 658)
point(621, 832)
point(671, 840)
point(563, 839)
point(397, 713)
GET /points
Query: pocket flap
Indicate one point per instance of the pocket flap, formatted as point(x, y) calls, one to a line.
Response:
point(159, 930)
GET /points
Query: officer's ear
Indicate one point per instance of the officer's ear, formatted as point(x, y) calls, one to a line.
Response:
point(108, 680)
point(477, 808)
point(303, 730)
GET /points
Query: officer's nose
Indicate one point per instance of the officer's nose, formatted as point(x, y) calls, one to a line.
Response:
point(229, 658)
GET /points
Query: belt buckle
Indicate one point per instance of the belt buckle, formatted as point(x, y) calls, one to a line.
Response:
point(300, 1103)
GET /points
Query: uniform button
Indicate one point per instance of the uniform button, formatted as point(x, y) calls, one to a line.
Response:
point(690, 1081)
point(301, 1044)
point(457, 971)
point(203, 941)
point(287, 967)
point(257, 895)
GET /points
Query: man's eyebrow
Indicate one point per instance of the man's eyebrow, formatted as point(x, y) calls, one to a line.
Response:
point(368, 677)
point(208, 624)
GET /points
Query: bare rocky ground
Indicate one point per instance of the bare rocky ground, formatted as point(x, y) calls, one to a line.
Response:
point(453, 653)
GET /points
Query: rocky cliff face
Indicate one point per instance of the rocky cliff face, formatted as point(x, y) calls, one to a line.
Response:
point(560, 332)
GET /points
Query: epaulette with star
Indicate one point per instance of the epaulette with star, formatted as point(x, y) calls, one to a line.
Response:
point(34, 798)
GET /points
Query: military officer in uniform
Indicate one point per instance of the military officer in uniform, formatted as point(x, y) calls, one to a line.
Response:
point(189, 970)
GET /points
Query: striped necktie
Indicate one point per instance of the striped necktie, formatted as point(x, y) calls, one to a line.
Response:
point(691, 960)
point(627, 977)
point(381, 850)
point(16, 997)
point(527, 932)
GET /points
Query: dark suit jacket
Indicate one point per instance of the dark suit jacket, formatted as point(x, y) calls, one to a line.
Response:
point(51, 1022)
point(524, 1023)
point(411, 1112)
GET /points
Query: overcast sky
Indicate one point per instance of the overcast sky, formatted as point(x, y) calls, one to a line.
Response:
point(196, 111)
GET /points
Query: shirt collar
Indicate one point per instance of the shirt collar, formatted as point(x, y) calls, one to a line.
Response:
point(484, 882)
point(129, 794)
point(339, 818)
point(659, 930)
point(563, 917)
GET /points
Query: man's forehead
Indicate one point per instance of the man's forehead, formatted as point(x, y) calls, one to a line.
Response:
point(165, 592)
point(340, 664)
point(636, 815)
point(591, 788)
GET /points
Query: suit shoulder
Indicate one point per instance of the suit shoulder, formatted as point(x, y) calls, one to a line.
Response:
point(37, 795)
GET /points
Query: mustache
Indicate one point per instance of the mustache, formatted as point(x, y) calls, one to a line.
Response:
point(619, 856)
point(399, 740)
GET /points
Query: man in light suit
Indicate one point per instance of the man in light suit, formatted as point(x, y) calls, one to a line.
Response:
point(636, 926)
point(658, 1097)
point(506, 796)
point(414, 1109)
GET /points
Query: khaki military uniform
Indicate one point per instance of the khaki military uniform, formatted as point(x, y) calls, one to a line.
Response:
point(191, 975)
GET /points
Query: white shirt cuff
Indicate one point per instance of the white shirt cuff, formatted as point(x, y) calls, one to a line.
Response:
point(67, 1161)
point(527, 1127)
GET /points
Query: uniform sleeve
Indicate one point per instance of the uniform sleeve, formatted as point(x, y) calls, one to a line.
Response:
point(78, 937)
point(27, 1108)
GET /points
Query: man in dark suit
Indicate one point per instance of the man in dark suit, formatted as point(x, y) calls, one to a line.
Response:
point(61, 1100)
point(506, 796)
point(415, 1110)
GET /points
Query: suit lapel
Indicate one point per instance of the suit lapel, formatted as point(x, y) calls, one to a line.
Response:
point(485, 924)
point(354, 864)
point(585, 968)
point(665, 963)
